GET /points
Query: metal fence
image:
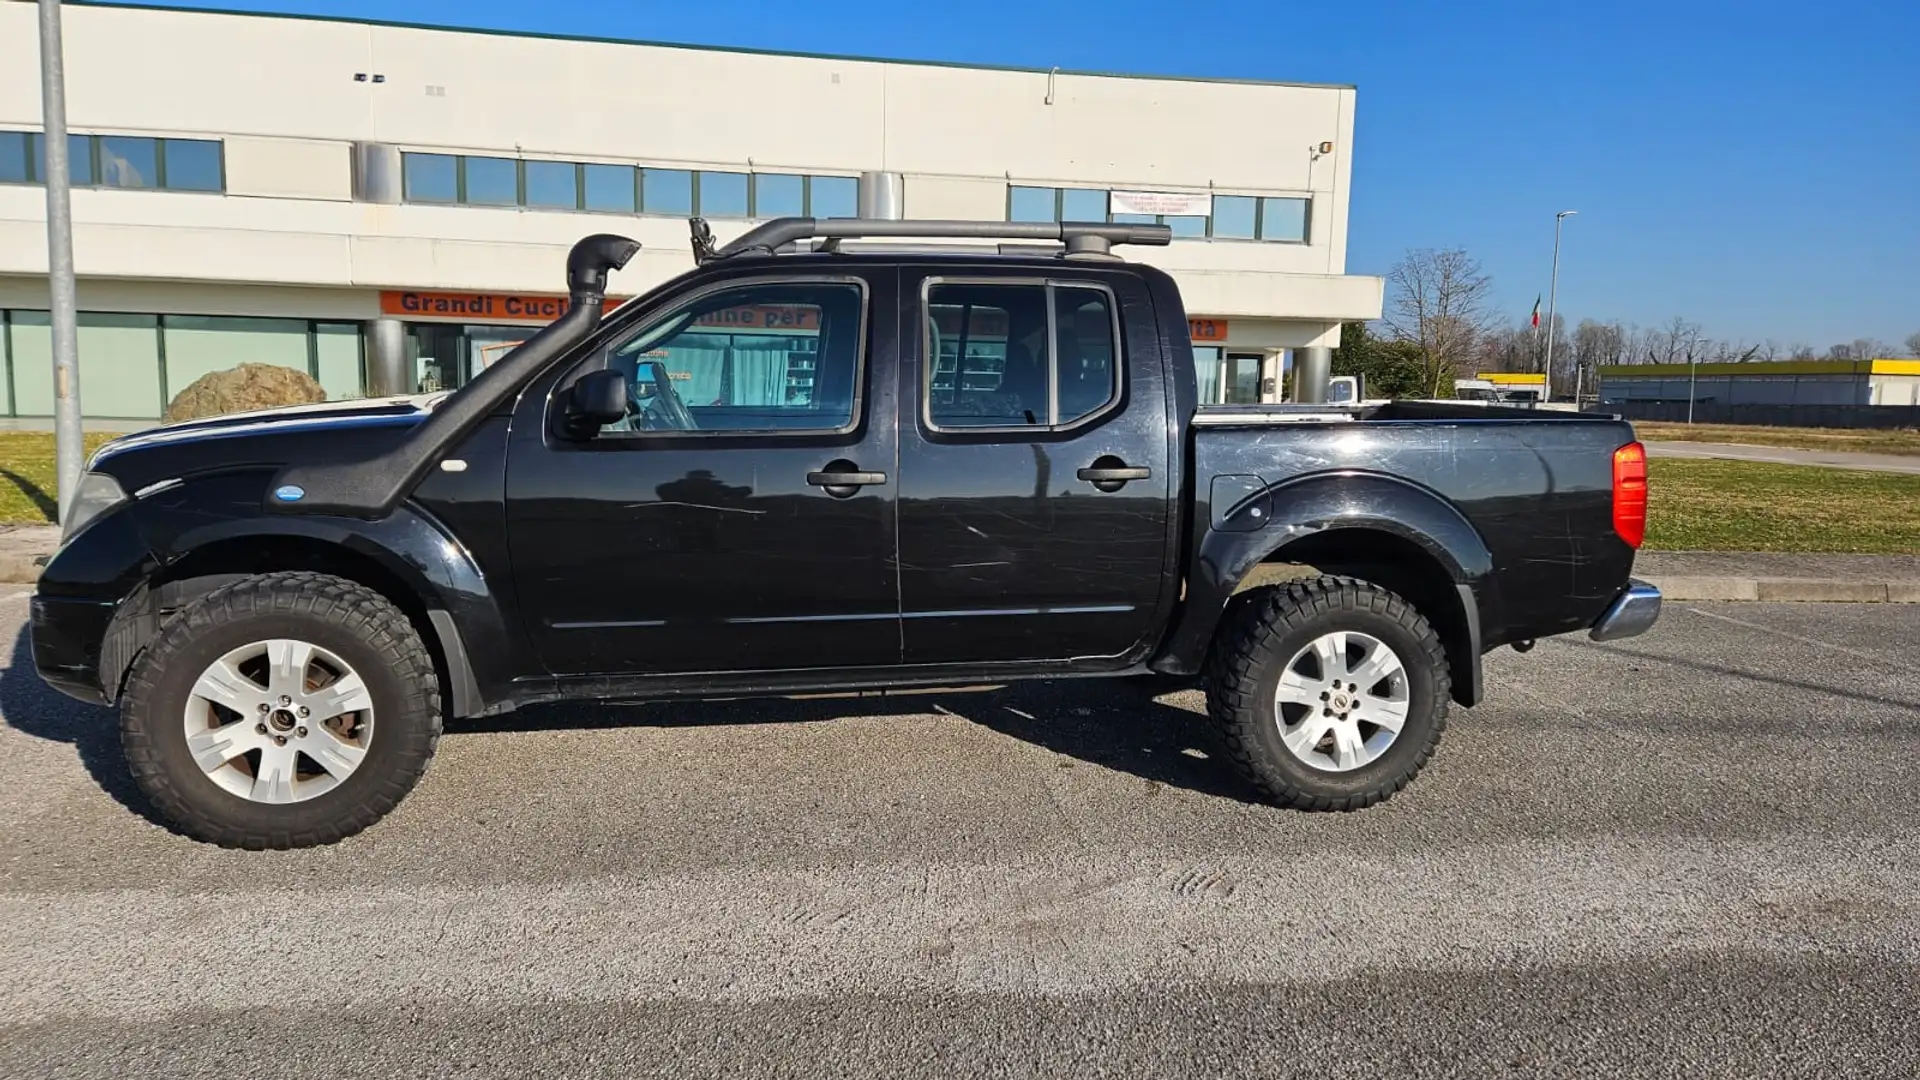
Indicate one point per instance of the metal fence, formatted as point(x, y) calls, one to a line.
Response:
point(1819, 416)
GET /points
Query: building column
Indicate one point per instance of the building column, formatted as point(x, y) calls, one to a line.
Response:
point(882, 196)
point(1312, 367)
point(387, 358)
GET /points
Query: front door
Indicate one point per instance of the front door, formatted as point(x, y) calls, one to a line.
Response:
point(741, 518)
point(1034, 467)
point(1241, 386)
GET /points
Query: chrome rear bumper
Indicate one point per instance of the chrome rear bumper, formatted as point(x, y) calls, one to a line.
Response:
point(1631, 614)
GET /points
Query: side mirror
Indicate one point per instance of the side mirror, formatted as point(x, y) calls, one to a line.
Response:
point(597, 399)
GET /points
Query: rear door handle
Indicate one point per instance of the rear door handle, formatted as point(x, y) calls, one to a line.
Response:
point(845, 479)
point(1118, 475)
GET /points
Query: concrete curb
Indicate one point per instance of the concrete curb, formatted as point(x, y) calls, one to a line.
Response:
point(1786, 590)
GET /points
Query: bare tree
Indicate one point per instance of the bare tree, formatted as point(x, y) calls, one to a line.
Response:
point(1440, 304)
point(1913, 343)
point(1860, 349)
point(1802, 351)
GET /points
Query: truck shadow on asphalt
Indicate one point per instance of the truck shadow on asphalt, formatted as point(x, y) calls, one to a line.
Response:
point(1113, 723)
point(33, 707)
point(1116, 724)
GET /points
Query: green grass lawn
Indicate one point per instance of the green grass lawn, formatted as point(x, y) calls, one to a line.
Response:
point(1757, 506)
point(28, 488)
point(1696, 505)
point(1859, 440)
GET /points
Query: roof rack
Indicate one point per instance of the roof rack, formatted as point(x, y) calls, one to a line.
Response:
point(1083, 239)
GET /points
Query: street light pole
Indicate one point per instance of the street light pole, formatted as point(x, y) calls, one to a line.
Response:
point(68, 450)
point(1553, 297)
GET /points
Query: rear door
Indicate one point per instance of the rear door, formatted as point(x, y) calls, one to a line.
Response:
point(1034, 465)
point(742, 517)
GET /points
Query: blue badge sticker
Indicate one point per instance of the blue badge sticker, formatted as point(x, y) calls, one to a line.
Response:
point(290, 493)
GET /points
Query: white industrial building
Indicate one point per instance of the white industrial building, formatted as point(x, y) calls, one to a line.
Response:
point(389, 207)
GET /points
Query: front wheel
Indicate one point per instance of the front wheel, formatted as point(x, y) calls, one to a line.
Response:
point(1330, 694)
point(282, 711)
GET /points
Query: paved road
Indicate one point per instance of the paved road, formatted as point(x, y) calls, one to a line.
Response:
point(1780, 455)
point(1688, 855)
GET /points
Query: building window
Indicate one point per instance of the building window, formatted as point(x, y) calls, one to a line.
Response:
point(14, 158)
point(129, 162)
point(490, 181)
point(1033, 204)
point(191, 165)
point(608, 189)
point(119, 161)
point(996, 366)
point(133, 365)
point(430, 178)
point(555, 185)
point(723, 195)
point(1083, 204)
point(666, 191)
point(1284, 220)
point(779, 195)
point(1234, 217)
point(833, 197)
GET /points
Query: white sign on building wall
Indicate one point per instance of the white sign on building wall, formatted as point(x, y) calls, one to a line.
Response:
point(1170, 203)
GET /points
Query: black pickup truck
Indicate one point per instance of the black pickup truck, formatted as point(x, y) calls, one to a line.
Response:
point(803, 466)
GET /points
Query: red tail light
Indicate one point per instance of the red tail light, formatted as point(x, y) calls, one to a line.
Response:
point(1630, 493)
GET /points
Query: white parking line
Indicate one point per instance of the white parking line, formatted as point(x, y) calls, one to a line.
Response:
point(1794, 637)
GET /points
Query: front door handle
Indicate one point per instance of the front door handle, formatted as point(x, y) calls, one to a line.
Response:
point(1109, 473)
point(843, 479)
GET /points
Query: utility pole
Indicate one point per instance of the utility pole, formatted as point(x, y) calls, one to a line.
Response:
point(68, 451)
point(1553, 297)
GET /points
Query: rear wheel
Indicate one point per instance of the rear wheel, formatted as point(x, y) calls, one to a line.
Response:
point(285, 710)
point(1330, 693)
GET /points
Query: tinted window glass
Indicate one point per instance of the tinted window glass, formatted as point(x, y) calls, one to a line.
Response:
point(129, 162)
point(1283, 219)
point(608, 187)
point(1031, 204)
point(1135, 219)
point(13, 157)
point(1084, 356)
point(1081, 204)
point(1186, 226)
point(777, 195)
point(79, 158)
point(192, 164)
point(666, 191)
point(834, 196)
point(1233, 216)
point(778, 357)
point(552, 184)
point(429, 177)
point(492, 181)
point(723, 194)
point(989, 344)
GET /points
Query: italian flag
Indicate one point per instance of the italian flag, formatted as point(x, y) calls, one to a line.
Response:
point(1536, 311)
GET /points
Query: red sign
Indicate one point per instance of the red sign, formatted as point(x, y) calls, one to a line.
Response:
point(1207, 329)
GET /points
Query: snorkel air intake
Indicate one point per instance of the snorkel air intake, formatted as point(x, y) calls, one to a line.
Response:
point(372, 487)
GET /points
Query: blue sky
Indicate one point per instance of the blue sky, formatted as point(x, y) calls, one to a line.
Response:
point(1752, 165)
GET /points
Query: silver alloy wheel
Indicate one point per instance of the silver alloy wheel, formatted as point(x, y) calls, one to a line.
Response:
point(279, 721)
point(1342, 700)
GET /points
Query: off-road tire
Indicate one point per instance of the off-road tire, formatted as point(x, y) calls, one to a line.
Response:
point(1262, 630)
point(351, 620)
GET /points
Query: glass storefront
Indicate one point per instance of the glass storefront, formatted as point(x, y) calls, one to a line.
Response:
point(1226, 378)
point(444, 356)
point(132, 365)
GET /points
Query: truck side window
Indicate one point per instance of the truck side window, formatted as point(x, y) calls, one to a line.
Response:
point(995, 364)
point(782, 356)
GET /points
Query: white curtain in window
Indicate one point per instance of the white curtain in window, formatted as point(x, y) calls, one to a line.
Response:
point(759, 377)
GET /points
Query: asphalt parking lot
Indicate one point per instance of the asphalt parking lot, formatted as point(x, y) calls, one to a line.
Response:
point(1692, 854)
